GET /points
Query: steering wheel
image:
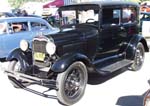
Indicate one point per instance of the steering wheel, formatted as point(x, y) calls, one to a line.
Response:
point(90, 20)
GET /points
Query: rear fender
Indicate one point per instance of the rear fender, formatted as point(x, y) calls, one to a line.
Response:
point(131, 49)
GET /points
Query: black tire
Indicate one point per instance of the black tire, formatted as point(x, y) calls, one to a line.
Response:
point(72, 83)
point(13, 80)
point(138, 58)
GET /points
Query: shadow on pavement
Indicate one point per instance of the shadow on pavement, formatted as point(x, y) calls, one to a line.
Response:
point(95, 78)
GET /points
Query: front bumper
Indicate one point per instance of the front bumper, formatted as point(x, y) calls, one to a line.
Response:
point(32, 79)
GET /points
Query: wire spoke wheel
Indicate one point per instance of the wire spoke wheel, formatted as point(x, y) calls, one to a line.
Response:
point(139, 57)
point(15, 66)
point(71, 83)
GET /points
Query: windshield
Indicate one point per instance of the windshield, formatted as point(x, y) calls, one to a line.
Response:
point(71, 16)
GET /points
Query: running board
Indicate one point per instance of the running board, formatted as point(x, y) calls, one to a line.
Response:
point(114, 67)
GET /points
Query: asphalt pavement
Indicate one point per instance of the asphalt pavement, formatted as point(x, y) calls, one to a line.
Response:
point(122, 88)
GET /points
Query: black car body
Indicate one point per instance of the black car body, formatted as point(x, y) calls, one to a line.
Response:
point(95, 37)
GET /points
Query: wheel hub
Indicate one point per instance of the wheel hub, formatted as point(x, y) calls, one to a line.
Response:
point(72, 84)
point(139, 57)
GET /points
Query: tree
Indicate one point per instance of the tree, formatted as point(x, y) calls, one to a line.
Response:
point(143, 0)
point(137, 0)
point(18, 3)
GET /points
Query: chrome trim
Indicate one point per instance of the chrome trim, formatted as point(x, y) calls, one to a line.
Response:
point(43, 38)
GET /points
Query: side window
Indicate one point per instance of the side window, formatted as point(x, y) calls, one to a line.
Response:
point(129, 15)
point(90, 15)
point(38, 26)
point(18, 27)
point(111, 16)
point(69, 17)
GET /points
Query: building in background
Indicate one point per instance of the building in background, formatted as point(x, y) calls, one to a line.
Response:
point(52, 6)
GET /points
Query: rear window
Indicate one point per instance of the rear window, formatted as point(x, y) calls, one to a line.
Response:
point(129, 15)
point(38, 26)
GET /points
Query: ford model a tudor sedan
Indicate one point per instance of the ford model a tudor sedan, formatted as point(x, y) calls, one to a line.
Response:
point(95, 37)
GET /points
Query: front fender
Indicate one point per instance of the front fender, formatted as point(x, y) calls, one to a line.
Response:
point(131, 49)
point(25, 58)
point(64, 62)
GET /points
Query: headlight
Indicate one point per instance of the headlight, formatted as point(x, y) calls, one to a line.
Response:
point(50, 48)
point(24, 45)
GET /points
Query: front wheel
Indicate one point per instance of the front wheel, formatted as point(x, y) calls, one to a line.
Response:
point(15, 66)
point(72, 83)
point(138, 58)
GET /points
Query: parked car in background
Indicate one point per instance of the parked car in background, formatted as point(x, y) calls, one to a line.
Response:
point(144, 16)
point(145, 8)
point(146, 100)
point(6, 14)
point(145, 24)
point(95, 37)
point(52, 20)
point(14, 29)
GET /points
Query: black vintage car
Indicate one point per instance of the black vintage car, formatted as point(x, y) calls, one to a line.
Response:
point(95, 37)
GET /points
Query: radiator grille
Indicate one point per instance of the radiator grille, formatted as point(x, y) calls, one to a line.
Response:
point(40, 47)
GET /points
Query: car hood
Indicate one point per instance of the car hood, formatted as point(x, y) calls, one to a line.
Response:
point(68, 33)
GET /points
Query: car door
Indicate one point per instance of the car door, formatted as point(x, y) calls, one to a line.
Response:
point(16, 32)
point(110, 29)
point(3, 33)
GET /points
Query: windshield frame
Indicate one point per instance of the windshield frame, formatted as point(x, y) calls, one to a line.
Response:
point(77, 8)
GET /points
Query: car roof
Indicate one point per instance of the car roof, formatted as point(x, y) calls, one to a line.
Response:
point(104, 3)
point(19, 19)
point(107, 3)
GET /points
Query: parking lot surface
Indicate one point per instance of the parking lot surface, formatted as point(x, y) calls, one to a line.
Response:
point(123, 88)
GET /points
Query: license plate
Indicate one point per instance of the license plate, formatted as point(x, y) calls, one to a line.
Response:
point(39, 56)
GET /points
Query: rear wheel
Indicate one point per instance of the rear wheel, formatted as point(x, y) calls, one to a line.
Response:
point(139, 57)
point(16, 67)
point(72, 83)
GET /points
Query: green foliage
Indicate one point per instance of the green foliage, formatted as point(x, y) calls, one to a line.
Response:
point(143, 0)
point(137, 0)
point(18, 3)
